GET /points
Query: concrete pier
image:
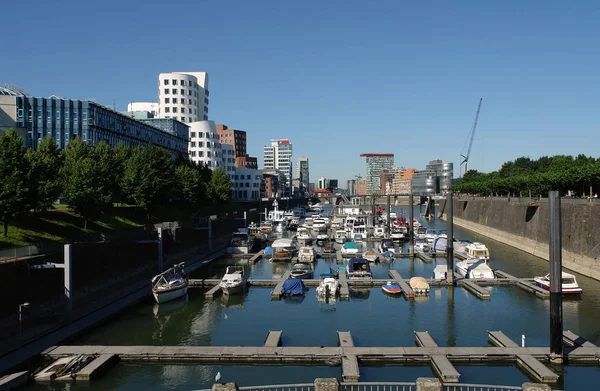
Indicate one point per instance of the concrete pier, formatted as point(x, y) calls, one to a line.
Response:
point(527, 362)
point(14, 380)
point(350, 370)
point(442, 367)
point(525, 284)
point(97, 367)
point(276, 292)
point(273, 339)
point(406, 289)
point(424, 257)
point(572, 339)
point(214, 291)
point(344, 291)
point(475, 289)
point(257, 256)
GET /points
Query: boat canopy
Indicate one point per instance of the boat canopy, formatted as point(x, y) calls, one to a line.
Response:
point(440, 244)
point(280, 243)
point(349, 245)
point(268, 250)
point(292, 287)
point(359, 264)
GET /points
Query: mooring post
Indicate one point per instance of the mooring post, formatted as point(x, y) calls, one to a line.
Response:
point(450, 240)
point(245, 220)
point(556, 316)
point(68, 284)
point(389, 223)
point(411, 232)
point(160, 250)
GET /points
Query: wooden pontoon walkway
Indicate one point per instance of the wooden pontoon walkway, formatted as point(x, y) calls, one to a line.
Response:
point(442, 357)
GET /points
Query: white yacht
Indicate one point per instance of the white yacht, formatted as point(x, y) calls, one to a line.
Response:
point(170, 284)
point(476, 250)
point(319, 224)
point(568, 283)
point(303, 236)
point(379, 232)
point(431, 236)
point(306, 254)
point(234, 280)
point(422, 247)
point(359, 229)
point(420, 232)
point(241, 242)
point(328, 286)
point(337, 223)
point(474, 268)
point(340, 236)
point(278, 219)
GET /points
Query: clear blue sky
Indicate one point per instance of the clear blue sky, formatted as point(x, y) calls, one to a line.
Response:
point(338, 78)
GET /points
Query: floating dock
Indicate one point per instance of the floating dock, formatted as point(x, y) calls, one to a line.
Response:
point(428, 352)
point(276, 292)
point(572, 339)
point(257, 256)
point(475, 289)
point(527, 362)
point(214, 291)
point(344, 291)
point(406, 289)
point(424, 257)
point(525, 284)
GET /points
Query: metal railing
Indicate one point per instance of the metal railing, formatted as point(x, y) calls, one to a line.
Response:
point(281, 387)
point(478, 387)
point(364, 386)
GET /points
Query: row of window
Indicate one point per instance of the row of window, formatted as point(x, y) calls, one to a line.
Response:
point(201, 144)
point(181, 82)
point(182, 118)
point(173, 91)
point(204, 135)
point(181, 110)
point(182, 101)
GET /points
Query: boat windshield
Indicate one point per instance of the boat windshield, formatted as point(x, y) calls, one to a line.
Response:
point(568, 280)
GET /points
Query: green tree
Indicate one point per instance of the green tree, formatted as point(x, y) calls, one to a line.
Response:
point(106, 168)
point(84, 188)
point(148, 176)
point(14, 186)
point(189, 186)
point(45, 163)
point(121, 154)
point(220, 186)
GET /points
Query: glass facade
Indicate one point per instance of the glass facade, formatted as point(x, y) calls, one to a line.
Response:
point(375, 163)
point(64, 119)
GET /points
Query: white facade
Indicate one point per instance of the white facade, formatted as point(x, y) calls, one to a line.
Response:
point(278, 156)
point(246, 184)
point(204, 145)
point(151, 107)
point(183, 95)
point(322, 183)
point(228, 158)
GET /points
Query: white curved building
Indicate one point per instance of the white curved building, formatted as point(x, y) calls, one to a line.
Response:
point(204, 144)
point(183, 96)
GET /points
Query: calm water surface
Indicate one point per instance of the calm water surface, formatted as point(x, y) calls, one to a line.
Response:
point(454, 317)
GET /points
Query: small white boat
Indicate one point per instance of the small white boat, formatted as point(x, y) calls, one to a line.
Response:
point(306, 254)
point(370, 256)
point(387, 245)
point(477, 250)
point(419, 285)
point(328, 287)
point(319, 224)
point(420, 232)
point(302, 271)
point(349, 249)
point(322, 238)
point(440, 272)
point(392, 288)
point(340, 236)
point(379, 232)
point(422, 247)
point(234, 280)
point(568, 282)
point(474, 268)
point(170, 284)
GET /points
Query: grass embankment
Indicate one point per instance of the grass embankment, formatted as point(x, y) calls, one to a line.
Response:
point(60, 225)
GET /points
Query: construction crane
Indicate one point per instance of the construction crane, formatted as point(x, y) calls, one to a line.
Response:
point(465, 159)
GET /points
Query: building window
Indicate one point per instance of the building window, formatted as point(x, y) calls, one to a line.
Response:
point(166, 82)
point(189, 119)
point(174, 100)
point(189, 101)
point(201, 144)
point(207, 153)
point(166, 91)
point(174, 109)
point(183, 109)
point(200, 153)
point(167, 110)
point(167, 100)
point(182, 82)
point(182, 119)
point(193, 134)
point(174, 90)
point(193, 153)
point(182, 92)
point(193, 144)
point(190, 92)
point(174, 82)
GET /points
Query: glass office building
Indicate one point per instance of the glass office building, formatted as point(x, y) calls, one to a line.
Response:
point(64, 119)
point(375, 163)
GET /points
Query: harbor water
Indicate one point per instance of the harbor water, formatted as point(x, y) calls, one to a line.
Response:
point(453, 316)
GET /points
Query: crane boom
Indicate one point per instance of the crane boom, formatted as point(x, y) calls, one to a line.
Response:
point(465, 160)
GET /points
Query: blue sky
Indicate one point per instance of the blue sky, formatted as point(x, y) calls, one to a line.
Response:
point(337, 77)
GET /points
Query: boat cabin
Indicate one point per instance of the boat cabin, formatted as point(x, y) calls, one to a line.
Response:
point(283, 250)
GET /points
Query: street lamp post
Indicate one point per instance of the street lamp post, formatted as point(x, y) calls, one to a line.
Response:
point(21, 306)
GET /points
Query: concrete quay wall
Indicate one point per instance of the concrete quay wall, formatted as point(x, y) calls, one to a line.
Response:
point(524, 224)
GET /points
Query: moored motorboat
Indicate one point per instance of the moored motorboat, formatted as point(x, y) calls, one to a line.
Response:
point(392, 288)
point(170, 284)
point(302, 271)
point(358, 269)
point(419, 285)
point(328, 287)
point(234, 280)
point(283, 250)
point(321, 238)
point(568, 284)
point(292, 287)
point(340, 236)
point(241, 242)
point(349, 249)
point(474, 268)
point(303, 236)
point(389, 256)
point(306, 254)
point(387, 245)
point(422, 247)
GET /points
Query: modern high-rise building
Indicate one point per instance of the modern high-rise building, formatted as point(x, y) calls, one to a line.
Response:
point(204, 144)
point(183, 95)
point(375, 163)
point(351, 185)
point(444, 172)
point(302, 172)
point(436, 178)
point(278, 156)
point(233, 137)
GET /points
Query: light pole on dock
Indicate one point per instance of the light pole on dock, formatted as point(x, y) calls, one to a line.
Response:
point(556, 314)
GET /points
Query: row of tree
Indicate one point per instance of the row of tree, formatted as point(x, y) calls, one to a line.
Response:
point(91, 179)
point(524, 175)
